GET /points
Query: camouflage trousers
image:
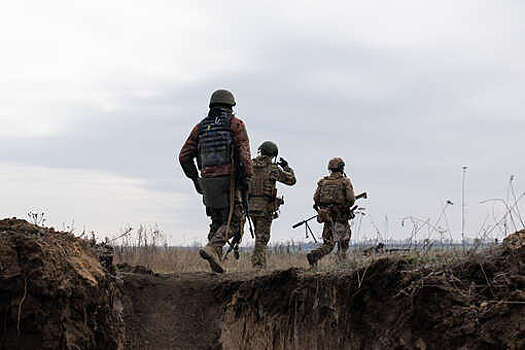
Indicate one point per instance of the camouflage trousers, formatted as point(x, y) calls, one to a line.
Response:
point(218, 236)
point(263, 226)
point(330, 240)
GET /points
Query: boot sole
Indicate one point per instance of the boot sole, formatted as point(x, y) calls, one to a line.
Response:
point(213, 264)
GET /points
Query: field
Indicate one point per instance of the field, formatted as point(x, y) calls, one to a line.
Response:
point(55, 294)
point(281, 257)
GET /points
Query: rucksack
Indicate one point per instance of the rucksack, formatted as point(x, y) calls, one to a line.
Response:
point(332, 191)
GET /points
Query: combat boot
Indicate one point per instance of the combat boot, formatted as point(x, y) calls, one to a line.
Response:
point(312, 259)
point(210, 254)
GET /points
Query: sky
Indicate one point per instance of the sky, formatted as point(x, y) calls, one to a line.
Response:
point(97, 98)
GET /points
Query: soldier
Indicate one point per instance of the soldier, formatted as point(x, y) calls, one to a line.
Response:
point(220, 144)
point(263, 200)
point(332, 200)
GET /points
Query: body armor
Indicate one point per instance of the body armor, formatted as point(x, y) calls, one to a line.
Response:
point(332, 191)
point(215, 140)
point(262, 183)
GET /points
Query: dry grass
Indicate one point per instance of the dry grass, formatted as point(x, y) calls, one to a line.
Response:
point(144, 247)
point(170, 260)
point(176, 260)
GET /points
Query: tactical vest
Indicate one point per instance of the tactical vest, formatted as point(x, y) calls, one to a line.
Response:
point(332, 191)
point(262, 184)
point(215, 140)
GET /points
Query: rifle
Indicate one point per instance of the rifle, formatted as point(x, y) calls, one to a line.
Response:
point(238, 183)
point(234, 244)
point(307, 227)
point(244, 195)
point(309, 230)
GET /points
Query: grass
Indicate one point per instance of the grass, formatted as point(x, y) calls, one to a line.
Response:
point(146, 247)
point(165, 259)
point(173, 260)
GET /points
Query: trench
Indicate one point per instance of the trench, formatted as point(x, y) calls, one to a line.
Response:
point(297, 309)
point(55, 294)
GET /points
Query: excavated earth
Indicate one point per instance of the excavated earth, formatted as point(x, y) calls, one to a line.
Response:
point(54, 294)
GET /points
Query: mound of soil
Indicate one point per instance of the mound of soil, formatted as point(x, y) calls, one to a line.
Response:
point(478, 303)
point(54, 293)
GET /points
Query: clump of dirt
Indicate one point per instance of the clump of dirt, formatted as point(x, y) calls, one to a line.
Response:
point(54, 293)
point(478, 303)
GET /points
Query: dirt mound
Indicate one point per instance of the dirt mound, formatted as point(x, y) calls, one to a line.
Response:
point(475, 304)
point(54, 294)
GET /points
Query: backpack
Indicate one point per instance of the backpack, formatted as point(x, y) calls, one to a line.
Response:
point(332, 191)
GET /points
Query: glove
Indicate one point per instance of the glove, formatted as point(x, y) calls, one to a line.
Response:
point(283, 163)
point(197, 185)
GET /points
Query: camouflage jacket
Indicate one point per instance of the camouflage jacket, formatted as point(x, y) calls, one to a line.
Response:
point(241, 153)
point(262, 187)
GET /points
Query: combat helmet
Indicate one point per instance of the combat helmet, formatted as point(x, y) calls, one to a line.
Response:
point(336, 164)
point(269, 148)
point(222, 97)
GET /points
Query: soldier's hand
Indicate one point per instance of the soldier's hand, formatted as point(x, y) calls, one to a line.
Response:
point(197, 185)
point(282, 162)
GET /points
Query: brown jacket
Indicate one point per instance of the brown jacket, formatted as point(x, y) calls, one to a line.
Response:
point(241, 153)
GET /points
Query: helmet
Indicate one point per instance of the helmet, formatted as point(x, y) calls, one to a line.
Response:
point(269, 148)
point(336, 164)
point(223, 97)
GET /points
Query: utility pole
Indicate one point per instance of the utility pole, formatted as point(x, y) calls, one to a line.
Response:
point(463, 207)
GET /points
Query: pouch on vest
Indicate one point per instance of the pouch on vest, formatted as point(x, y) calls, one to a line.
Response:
point(216, 191)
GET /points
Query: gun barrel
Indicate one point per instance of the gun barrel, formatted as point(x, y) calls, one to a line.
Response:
point(304, 221)
point(299, 224)
point(362, 195)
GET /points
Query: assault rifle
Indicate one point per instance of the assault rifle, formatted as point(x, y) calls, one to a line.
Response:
point(243, 188)
point(309, 230)
point(236, 240)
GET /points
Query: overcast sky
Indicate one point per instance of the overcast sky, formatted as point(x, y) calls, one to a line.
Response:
point(97, 98)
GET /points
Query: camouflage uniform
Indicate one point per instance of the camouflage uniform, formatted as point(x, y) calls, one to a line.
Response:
point(218, 174)
point(333, 198)
point(263, 201)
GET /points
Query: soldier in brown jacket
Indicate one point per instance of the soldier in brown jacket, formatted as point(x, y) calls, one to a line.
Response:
point(221, 146)
point(263, 200)
point(333, 199)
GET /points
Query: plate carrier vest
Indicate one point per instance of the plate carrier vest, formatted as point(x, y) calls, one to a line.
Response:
point(215, 141)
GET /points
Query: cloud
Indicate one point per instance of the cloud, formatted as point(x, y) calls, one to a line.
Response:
point(92, 200)
point(405, 93)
